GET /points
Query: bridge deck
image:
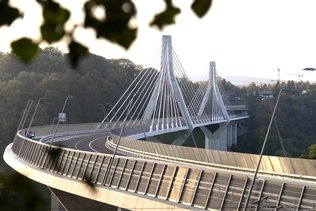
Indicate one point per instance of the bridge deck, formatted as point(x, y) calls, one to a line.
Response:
point(184, 185)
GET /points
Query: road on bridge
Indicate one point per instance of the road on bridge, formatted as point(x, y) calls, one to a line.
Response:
point(90, 143)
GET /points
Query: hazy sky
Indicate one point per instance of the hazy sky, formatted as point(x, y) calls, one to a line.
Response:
point(243, 37)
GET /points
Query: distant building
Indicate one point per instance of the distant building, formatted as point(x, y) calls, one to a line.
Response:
point(265, 94)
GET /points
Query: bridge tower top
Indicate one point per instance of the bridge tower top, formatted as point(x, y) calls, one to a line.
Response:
point(212, 99)
point(166, 39)
point(167, 91)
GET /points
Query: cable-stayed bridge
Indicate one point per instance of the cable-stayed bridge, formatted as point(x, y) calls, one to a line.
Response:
point(162, 99)
point(102, 165)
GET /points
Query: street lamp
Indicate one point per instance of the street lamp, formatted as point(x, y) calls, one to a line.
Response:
point(53, 122)
point(27, 112)
point(38, 102)
point(55, 118)
point(28, 106)
point(108, 169)
point(309, 69)
point(56, 128)
point(262, 150)
point(26, 109)
point(57, 125)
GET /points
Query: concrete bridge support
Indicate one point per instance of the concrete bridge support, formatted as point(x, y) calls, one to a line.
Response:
point(222, 138)
point(63, 201)
point(231, 134)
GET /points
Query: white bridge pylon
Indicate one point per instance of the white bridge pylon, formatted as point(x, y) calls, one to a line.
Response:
point(162, 99)
point(211, 107)
point(167, 107)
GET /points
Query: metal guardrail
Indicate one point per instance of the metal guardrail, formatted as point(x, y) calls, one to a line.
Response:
point(203, 188)
point(164, 158)
point(295, 167)
point(282, 166)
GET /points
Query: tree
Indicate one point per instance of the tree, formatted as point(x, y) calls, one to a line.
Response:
point(114, 26)
point(312, 151)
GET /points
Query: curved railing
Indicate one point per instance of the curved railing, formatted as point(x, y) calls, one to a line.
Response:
point(192, 186)
point(293, 168)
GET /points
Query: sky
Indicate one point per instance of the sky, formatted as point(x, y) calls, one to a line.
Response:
point(246, 38)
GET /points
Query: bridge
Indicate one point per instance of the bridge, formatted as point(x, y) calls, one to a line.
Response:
point(111, 164)
point(162, 99)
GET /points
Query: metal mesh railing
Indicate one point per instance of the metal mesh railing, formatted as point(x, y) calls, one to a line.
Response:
point(195, 187)
point(292, 167)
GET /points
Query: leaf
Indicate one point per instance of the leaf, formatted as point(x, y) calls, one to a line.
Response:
point(166, 17)
point(8, 14)
point(54, 152)
point(115, 26)
point(200, 7)
point(55, 18)
point(25, 49)
point(52, 33)
point(54, 13)
point(89, 182)
point(76, 51)
point(124, 37)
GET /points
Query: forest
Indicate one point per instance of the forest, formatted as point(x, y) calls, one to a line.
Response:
point(98, 80)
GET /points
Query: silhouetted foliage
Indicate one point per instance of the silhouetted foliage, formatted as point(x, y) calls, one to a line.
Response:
point(114, 27)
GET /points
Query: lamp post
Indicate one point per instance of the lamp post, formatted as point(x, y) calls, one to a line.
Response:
point(55, 118)
point(261, 153)
point(27, 112)
point(38, 102)
point(56, 128)
point(309, 69)
point(108, 169)
point(141, 125)
point(53, 122)
point(57, 125)
point(24, 114)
